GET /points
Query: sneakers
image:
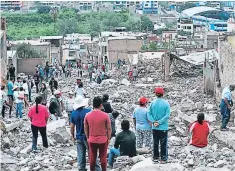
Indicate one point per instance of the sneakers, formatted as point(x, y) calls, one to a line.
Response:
point(163, 161)
point(224, 129)
point(155, 160)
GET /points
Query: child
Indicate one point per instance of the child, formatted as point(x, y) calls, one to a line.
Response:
point(19, 98)
point(69, 104)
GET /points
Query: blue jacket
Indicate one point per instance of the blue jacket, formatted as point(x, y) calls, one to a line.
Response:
point(159, 111)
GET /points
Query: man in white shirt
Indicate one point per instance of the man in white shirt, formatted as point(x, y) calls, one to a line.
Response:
point(19, 99)
point(3, 100)
point(26, 93)
point(226, 105)
point(69, 104)
point(79, 90)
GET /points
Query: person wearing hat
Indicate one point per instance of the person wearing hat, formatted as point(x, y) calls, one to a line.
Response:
point(19, 100)
point(142, 124)
point(158, 115)
point(55, 105)
point(69, 103)
point(77, 120)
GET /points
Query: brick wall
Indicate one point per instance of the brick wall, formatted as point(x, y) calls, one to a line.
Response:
point(226, 63)
point(118, 49)
point(28, 66)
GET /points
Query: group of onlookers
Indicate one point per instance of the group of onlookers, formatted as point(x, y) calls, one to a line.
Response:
point(92, 130)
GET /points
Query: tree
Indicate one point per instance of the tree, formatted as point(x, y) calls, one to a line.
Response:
point(26, 51)
point(42, 9)
point(153, 46)
point(54, 14)
point(67, 26)
point(146, 24)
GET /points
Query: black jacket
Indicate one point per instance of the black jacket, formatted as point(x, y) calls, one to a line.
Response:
point(107, 107)
point(53, 84)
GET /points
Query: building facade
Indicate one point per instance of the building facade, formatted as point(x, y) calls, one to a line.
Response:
point(3, 46)
point(15, 5)
point(150, 7)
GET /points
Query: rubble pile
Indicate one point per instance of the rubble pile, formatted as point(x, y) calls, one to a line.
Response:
point(184, 93)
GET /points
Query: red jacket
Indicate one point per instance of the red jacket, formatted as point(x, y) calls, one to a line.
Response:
point(199, 134)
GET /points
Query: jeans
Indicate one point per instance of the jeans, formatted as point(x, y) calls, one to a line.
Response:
point(225, 112)
point(113, 152)
point(93, 148)
point(43, 133)
point(19, 108)
point(82, 146)
point(30, 92)
point(160, 136)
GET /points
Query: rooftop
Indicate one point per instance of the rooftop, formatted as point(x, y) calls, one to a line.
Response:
point(122, 38)
point(196, 10)
point(32, 42)
point(199, 57)
point(50, 37)
point(117, 34)
point(151, 55)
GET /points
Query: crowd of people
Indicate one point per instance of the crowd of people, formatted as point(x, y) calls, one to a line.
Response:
point(93, 128)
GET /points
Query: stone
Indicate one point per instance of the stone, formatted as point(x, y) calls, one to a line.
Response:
point(11, 126)
point(7, 160)
point(143, 151)
point(199, 105)
point(219, 164)
point(6, 142)
point(61, 135)
point(176, 141)
point(2, 126)
point(148, 165)
point(210, 169)
point(190, 162)
point(37, 168)
point(125, 82)
point(72, 154)
point(23, 162)
point(186, 107)
point(149, 79)
point(52, 126)
point(26, 149)
point(137, 159)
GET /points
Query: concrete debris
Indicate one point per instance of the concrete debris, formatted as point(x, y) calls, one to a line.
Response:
point(185, 95)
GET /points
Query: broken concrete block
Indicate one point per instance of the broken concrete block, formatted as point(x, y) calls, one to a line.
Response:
point(125, 82)
point(7, 160)
point(61, 135)
point(14, 125)
point(137, 159)
point(52, 126)
point(6, 142)
point(2, 126)
point(26, 149)
point(186, 107)
point(199, 105)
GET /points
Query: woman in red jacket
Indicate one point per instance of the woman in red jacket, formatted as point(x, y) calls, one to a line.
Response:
point(199, 132)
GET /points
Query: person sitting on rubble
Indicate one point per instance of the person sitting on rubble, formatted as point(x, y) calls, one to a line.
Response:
point(55, 105)
point(53, 84)
point(199, 132)
point(69, 103)
point(113, 116)
point(142, 124)
point(38, 115)
point(106, 105)
point(225, 106)
point(125, 143)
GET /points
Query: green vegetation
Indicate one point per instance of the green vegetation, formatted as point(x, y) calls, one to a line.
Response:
point(34, 25)
point(26, 51)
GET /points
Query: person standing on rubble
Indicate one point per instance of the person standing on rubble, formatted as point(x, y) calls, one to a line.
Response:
point(36, 81)
point(12, 72)
point(3, 100)
point(77, 120)
point(158, 115)
point(53, 84)
point(47, 69)
point(142, 125)
point(26, 93)
point(55, 105)
point(69, 103)
point(106, 105)
point(10, 94)
point(19, 100)
point(38, 115)
point(44, 93)
point(30, 86)
point(97, 128)
point(135, 73)
point(225, 106)
point(113, 116)
point(79, 90)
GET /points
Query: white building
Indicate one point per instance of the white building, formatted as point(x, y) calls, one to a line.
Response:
point(169, 35)
point(231, 25)
point(185, 25)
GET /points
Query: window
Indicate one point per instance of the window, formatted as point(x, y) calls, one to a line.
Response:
point(82, 46)
point(155, 5)
point(146, 5)
point(184, 27)
point(178, 26)
point(105, 49)
point(189, 27)
point(72, 53)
